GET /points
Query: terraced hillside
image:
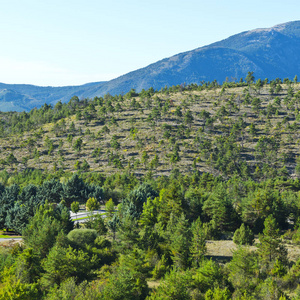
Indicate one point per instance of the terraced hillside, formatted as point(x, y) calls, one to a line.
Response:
point(249, 128)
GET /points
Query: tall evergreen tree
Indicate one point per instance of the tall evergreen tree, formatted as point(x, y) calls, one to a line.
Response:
point(74, 190)
point(198, 242)
point(271, 248)
point(180, 239)
point(7, 201)
point(51, 190)
point(220, 210)
point(42, 230)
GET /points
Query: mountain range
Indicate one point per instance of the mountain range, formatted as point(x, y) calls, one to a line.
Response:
point(269, 53)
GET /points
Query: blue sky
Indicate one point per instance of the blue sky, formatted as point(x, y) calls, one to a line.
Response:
point(70, 42)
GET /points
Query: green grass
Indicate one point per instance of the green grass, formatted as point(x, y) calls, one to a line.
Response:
point(2, 236)
point(80, 218)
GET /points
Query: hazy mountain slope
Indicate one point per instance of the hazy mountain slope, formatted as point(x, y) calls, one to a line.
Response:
point(14, 101)
point(184, 68)
point(20, 97)
point(270, 53)
point(275, 49)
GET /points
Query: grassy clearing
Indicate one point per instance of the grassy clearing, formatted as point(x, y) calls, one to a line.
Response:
point(223, 250)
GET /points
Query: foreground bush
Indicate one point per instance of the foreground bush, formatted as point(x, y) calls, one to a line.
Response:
point(80, 237)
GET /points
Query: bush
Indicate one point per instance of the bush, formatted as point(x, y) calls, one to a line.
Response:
point(243, 236)
point(102, 242)
point(80, 237)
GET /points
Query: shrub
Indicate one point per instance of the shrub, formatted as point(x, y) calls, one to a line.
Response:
point(102, 242)
point(80, 237)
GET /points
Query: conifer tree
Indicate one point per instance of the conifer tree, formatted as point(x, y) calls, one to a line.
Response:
point(198, 244)
point(270, 248)
point(244, 270)
point(180, 242)
point(243, 236)
point(74, 190)
point(109, 208)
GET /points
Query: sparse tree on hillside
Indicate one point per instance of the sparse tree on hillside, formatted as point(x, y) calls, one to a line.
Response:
point(78, 145)
point(11, 159)
point(250, 78)
point(145, 158)
point(188, 118)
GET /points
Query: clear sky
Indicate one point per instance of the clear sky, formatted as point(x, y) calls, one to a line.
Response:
point(70, 42)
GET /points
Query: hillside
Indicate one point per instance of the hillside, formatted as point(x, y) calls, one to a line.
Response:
point(200, 185)
point(269, 53)
point(250, 130)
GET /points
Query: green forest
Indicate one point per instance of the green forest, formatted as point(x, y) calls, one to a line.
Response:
point(198, 185)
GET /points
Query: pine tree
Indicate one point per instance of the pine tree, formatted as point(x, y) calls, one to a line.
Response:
point(244, 270)
point(75, 207)
point(243, 236)
point(219, 209)
point(109, 208)
point(198, 243)
point(74, 190)
point(43, 228)
point(154, 162)
point(180, 242)
point(144, 158)
point(92, 204)
point(270, 248)
point(51, 190)
point(8, 197)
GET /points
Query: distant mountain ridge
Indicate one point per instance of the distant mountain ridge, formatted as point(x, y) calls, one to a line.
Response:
point(269, 53)
point(20, 97)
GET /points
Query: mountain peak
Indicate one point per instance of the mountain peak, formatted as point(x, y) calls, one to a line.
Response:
point(289, 28)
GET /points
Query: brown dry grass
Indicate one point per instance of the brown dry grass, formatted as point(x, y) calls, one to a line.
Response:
point(153, 284)
point(223, 250)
